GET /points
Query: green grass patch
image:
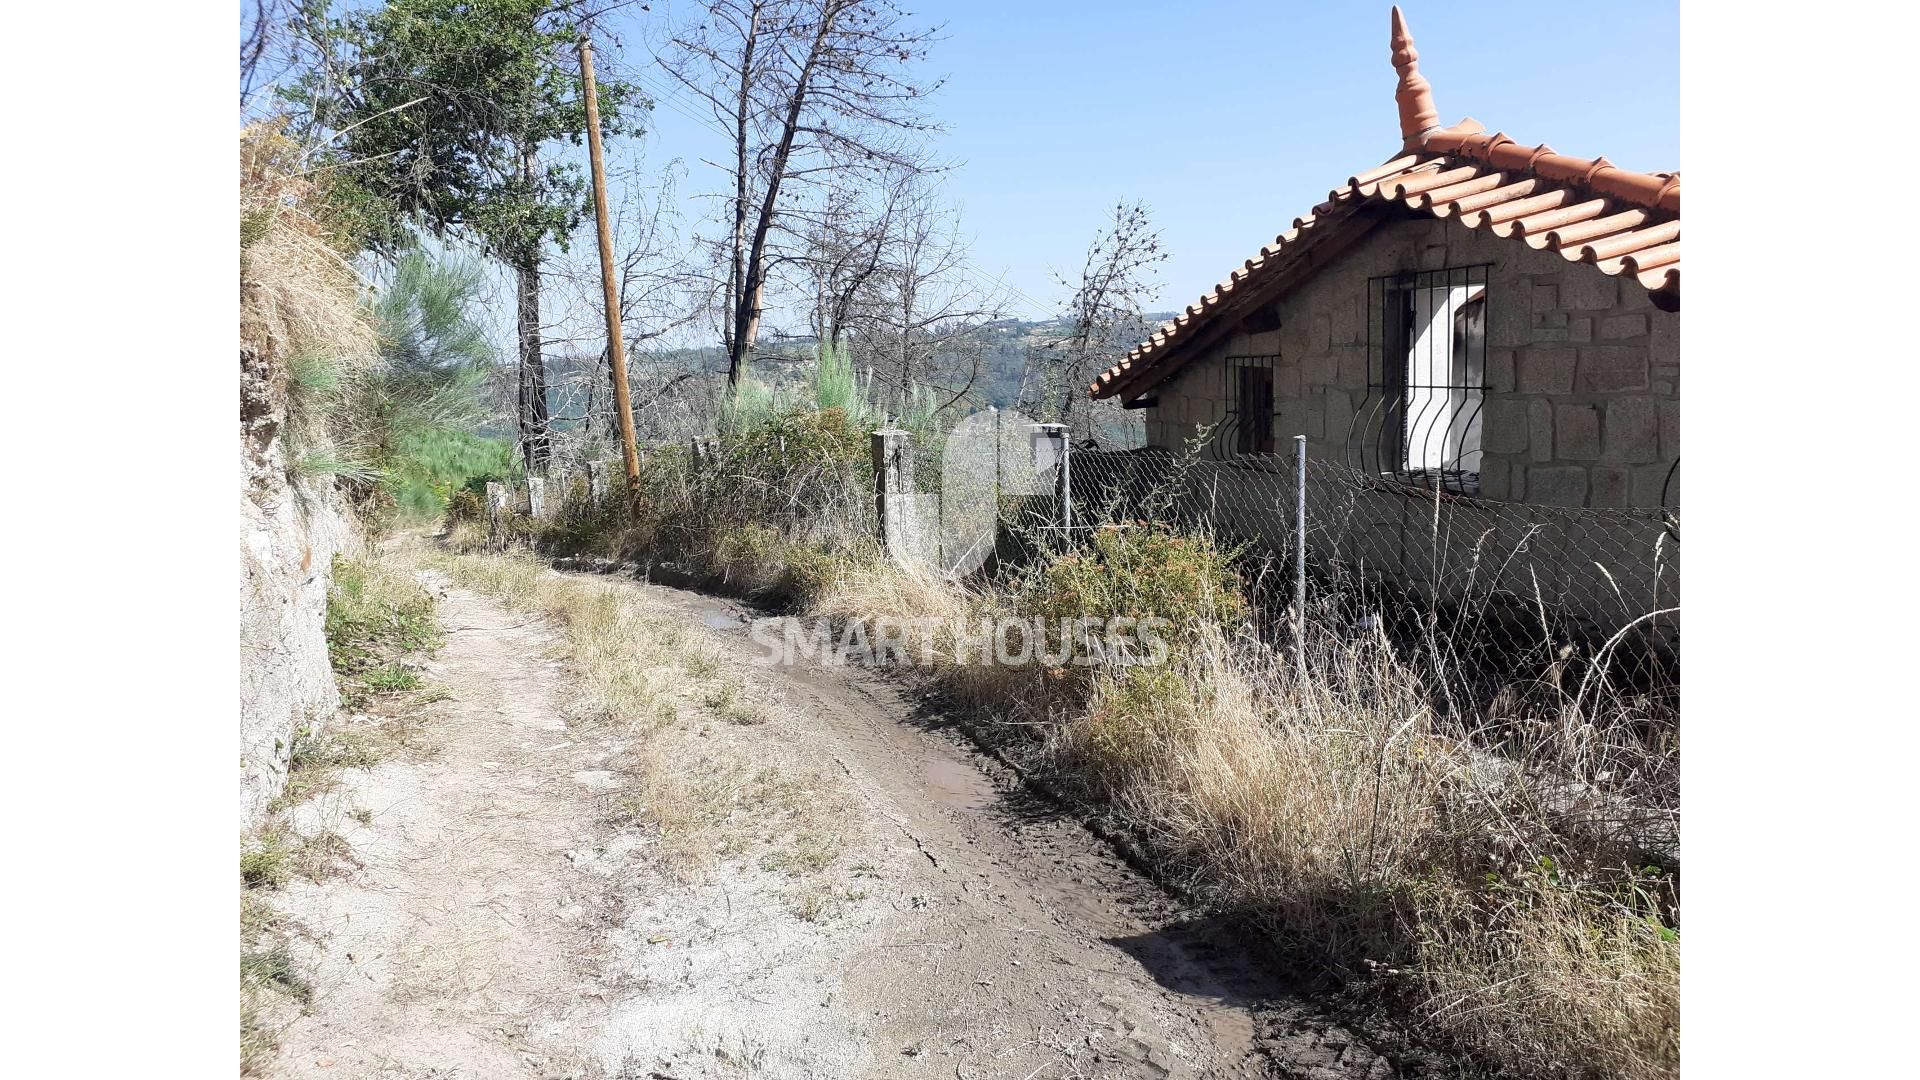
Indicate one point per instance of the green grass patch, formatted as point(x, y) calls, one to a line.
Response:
point(263, 862)
point(377, 615)
point(274, 968)
point(391, 679)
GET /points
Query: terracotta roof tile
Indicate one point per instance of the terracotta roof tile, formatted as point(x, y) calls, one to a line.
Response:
point(1621, 222)
point(1533, 207)
point(1630, 241)
point(1641, 261)
point(1462, 207)
point(1537, 225)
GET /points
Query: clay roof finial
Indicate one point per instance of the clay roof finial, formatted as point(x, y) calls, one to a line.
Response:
point(1417, 112)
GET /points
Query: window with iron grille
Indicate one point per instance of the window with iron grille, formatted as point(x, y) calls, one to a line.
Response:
point(1247, 428)
point(1426, 379)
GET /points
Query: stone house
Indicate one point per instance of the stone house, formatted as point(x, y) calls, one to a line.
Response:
point(1491, 319)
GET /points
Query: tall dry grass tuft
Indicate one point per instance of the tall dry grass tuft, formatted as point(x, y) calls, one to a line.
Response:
point(1510, 879)
point(298, 296)
point(1505, 870)
point(1553, 977)
point(1514, 880)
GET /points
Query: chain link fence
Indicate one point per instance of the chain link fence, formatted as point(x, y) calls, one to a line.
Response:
point(1499, 590)
point(981, 490)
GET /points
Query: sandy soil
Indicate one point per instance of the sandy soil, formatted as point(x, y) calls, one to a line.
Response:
point(856, 892)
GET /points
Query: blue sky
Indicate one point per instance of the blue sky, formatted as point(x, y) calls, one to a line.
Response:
point(1229, 119)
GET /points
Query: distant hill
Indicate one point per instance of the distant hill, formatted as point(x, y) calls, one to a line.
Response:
point(695, 373)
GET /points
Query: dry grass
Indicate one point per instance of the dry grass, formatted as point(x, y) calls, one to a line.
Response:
point(1366, 830)
point(1512, 884)
point(467, 534)
point(298, 296)
point(1498, 878)
point(628, 656)
point(1555, 977)
point(877, 587)
point(874, 587)
point(638, 667)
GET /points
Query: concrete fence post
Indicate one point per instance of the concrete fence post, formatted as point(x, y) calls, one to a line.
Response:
point(497, 508)
point(892, 481)
point(596, 484)
point(536, 497)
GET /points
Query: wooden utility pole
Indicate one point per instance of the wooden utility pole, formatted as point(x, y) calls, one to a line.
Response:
point(616, 347)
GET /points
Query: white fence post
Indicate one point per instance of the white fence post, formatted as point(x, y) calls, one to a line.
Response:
point(497, 496)
point(596, 484)
point(536, 497)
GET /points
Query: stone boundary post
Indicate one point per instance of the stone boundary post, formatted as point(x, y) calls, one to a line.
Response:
point(892, 479)
point(596, 484)
point(498, 507)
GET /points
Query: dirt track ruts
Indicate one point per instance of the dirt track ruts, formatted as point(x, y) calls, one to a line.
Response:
point(501, 923)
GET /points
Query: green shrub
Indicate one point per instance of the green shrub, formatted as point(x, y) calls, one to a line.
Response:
point(1143, 571)
point(808, 572)
point(792, 441)
point(393, 432)
point(1131, 720)
point(835, 386)
point(749, 557)
point(466, 504)
point(429, 467)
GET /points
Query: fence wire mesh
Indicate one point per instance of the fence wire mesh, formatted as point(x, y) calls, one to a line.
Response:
point(991, 477)
point(1505, 590)
point(1500, 590)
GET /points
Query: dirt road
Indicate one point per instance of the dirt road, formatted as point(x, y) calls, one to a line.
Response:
point(806, 873)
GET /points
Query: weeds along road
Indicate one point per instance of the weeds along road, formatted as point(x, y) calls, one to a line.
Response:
point(736, 870)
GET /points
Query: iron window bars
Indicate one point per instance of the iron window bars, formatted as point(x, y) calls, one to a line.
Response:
point(1248, 391)
point(1426, 379)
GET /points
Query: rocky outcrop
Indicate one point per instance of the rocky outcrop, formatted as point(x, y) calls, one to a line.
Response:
point(289, 532)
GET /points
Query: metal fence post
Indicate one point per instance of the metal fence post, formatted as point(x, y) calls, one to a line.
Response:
point(1059, 436)
point(1066, 482)
point(1300, 541)
point(996, 457)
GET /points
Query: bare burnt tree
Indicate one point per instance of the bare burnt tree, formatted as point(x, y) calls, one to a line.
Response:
point(810, 92)
point(843, 251)
point(262, 23)
point(660, 292)
point(922, 328)
point(281, 42)
point(1102, 321)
